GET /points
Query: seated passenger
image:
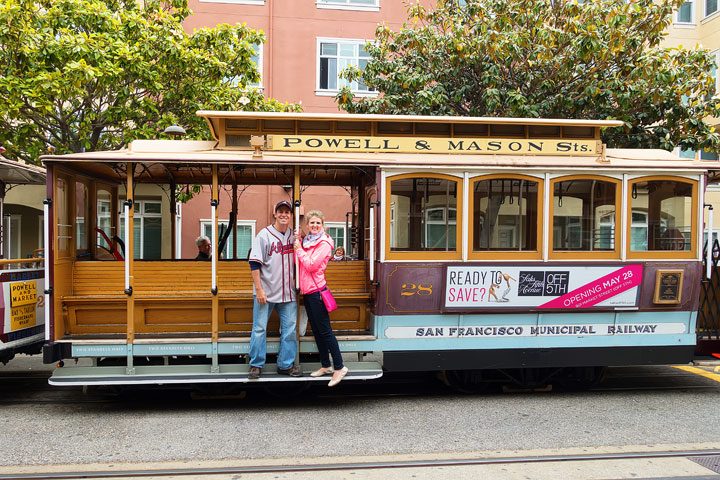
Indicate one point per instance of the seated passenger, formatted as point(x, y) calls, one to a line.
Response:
point(339, 254)
point(204, 248)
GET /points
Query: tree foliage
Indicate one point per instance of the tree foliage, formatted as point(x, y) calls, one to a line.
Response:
point(83, 75)
point(598, 59)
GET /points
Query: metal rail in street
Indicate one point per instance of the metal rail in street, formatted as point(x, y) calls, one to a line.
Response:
point(239, 470)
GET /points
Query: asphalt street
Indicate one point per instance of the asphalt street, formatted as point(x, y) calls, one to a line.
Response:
point(641, 407)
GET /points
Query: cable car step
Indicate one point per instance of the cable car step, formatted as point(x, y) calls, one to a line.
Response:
point(178, 374)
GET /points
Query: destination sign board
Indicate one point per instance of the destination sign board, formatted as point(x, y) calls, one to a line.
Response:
point(469, 146)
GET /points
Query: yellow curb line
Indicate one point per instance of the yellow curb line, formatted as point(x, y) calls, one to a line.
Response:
point(701, 372)
point(717, 369)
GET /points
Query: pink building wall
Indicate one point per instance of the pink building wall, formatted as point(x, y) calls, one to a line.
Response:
point(292, 28)
point(290, 74)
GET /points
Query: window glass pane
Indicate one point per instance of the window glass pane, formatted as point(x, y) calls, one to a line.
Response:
point(64, 231)
point(662, 215)
point(152, 238)
point(711, 7)
point(244, 236)
point(708, 155)
point(584, 215)
point(338, 235)
point(104, 221)
point(419, 215)
point(505, 214)
point(153, 207)
point(328, 49)
point(347, 50)
point(81, 209)
point(687, 154)
point(684, 13)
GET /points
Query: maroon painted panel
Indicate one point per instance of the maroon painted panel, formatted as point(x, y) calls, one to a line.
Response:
point(419, 288)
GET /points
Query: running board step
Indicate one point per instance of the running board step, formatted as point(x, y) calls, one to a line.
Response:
point(178, 374)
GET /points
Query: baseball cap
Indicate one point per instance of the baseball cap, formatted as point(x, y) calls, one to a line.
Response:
point(283, 203)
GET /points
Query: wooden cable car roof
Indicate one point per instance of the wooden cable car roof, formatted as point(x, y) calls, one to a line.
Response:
point(177, 158)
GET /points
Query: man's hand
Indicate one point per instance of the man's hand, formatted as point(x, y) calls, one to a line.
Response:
point(260, 295)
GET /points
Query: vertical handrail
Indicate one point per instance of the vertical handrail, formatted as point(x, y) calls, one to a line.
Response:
point(129, 258)
point(126, 211)
point(46, 268)
point(372, 242)
point(709, 253)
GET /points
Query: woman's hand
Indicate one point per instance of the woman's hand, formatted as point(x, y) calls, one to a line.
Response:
point(296, 245)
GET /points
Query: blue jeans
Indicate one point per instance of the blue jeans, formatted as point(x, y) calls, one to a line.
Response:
point(258, 337)
point(325, 339)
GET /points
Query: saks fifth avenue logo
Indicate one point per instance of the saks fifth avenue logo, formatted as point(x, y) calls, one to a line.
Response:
point(433, 145)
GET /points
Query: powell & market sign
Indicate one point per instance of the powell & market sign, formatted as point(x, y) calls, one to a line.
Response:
point(476, 146)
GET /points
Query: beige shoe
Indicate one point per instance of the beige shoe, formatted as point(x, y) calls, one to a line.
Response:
point(338, 376)
point(322, 371)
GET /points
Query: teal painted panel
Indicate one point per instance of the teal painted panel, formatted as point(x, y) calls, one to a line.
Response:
point(535, 330)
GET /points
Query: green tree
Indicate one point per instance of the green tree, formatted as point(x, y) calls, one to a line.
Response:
point(83, 75)
point(598, 59)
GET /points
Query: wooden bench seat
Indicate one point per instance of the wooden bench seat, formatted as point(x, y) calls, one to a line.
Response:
point(174, 297)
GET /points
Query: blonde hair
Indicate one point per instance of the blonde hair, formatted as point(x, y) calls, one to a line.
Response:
point(315, 213)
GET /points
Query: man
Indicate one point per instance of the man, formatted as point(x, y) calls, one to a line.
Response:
point(272, 269)
point(204, 248)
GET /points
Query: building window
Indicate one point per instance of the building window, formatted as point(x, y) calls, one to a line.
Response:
point(257, 59)
point(425, 214)
point(695, 155)
point(373, 5)
point(684, 14)
point(711, 6)
point(147, 230)
point(662, 215)
point(245, 235)
point(337, 233)
point(584, 216)
point(334, 57)
point(505, 215)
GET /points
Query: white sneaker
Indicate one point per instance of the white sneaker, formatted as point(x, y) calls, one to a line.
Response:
point(322, 371)
point(338, 376)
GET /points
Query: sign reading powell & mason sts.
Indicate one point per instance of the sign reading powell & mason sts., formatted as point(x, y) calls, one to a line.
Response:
point(477, 146)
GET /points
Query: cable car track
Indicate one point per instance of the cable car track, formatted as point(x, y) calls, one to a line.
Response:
point(350, 466)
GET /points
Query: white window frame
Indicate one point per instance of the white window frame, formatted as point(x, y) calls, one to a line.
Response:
point(332, 92)
point(347, 5)
point(340, 225)
point(676, 16)
point(239, 223)
point(139, 217)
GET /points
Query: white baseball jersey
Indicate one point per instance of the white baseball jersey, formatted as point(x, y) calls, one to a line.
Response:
point(274, 251)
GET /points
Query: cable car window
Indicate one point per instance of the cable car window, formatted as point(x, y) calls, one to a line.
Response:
point(81, 214)
point(662, 215)
point(584, 215)
point(505, 214)
point(424, 214)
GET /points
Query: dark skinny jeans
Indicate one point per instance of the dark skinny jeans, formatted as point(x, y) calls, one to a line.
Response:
point(325, 339)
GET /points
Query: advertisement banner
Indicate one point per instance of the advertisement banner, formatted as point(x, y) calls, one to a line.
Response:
point(565, 287)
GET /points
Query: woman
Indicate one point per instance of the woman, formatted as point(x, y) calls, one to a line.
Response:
point(313, 255)
point(339, 254)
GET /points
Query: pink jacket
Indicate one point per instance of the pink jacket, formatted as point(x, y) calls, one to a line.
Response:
point(313, 261)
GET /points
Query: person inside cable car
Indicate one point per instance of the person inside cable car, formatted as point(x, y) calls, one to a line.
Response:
point(339, 255)
point(204, 248)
